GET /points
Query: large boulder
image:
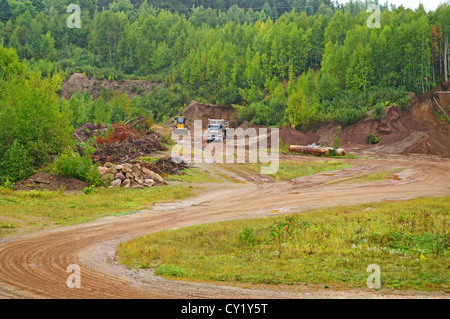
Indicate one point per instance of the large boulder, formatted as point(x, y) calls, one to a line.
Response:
point(116, 183)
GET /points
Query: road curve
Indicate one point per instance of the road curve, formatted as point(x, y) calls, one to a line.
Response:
point(35, 265)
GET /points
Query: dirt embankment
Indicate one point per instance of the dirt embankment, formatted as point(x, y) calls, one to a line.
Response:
point(199, 111)
point(420, 129)
point(416, 130)
point(79, 82)
point(45, 181)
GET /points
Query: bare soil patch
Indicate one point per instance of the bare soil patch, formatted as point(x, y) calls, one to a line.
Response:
point(44, 181)
point(79, 82)
point(199, 111)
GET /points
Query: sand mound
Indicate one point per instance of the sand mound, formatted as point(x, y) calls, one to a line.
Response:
point(420, 129)
point(291, 136)
point(44, 181)
point(77, 82)
point(199, 111)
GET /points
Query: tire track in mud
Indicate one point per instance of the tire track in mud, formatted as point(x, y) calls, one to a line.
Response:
point(35, 266)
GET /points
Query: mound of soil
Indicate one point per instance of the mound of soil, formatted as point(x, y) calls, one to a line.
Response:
point(291, 136)
point(44, 181)
point(203, 112)
point(78, 82)
point(394, 126)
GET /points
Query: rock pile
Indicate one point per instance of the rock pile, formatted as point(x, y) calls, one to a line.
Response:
point(129, 175)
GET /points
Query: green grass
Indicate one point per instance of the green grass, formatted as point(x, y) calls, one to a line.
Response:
point(370, 177)
point(293, 169)
point(194, 175)
point(409, 240)
point(57, 208)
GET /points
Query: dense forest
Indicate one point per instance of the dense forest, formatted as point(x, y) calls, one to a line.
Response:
point(300, 63)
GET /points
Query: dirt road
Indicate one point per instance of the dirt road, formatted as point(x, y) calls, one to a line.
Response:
point(35, 266)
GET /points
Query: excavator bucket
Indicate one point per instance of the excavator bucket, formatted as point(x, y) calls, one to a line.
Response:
point(181, 131)
point(181, 127)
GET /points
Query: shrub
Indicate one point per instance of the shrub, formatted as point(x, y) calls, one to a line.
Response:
point(7, 185)
point(378, 110)
point(160, 102)
point(282, 229)
point(15, 164)
point(372, 138)
point(30, 113)
point(396, 96)
point(89, 190)
point(346, 116)
point(337, 142)
point(246, 236)
point(72, 165)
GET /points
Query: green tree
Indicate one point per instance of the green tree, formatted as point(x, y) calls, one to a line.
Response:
point(30, 114)
point(10, 66)
point(361, 70)
point(5, 11)
point(15, 164)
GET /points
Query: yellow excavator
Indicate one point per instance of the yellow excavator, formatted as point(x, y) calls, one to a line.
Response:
point(181, 126)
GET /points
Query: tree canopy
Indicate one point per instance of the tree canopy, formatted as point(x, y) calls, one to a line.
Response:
point(257, 55)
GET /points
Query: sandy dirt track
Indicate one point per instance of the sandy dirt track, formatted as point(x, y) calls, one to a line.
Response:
point(35, 265)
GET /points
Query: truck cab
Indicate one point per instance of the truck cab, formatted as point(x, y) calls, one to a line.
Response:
point(216, 130)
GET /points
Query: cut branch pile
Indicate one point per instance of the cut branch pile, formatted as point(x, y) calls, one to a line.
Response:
point(125, 144)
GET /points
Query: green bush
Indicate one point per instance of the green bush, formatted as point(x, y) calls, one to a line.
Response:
point(246, 236)
point(372, 138)
point(72, 165)
point(8, 185)
point(396, 96)
point(347, 116)
point(15, 164)
point(379, 110)
point(30, 114)
point(161, 102)
point(337, 142)
point(89, 190)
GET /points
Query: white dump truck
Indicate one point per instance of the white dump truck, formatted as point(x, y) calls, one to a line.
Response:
point(217, 130)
